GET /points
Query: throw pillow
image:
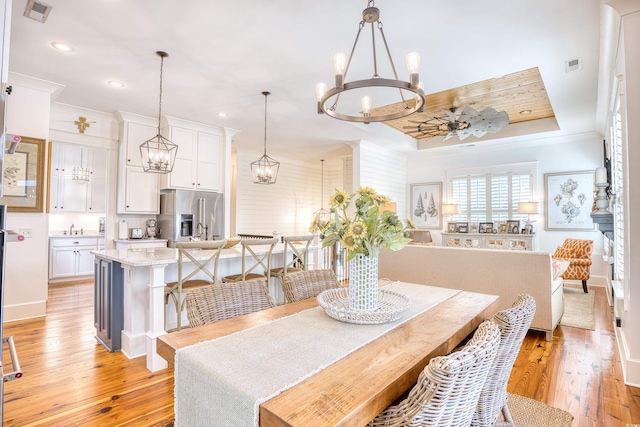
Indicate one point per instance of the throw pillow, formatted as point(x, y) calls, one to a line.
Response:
point(559, 266)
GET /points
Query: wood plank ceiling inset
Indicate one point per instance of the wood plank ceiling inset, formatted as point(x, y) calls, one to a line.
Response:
point(513, 93)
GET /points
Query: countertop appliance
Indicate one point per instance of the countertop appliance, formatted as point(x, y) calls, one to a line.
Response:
point(152, 229)
point(187, 214)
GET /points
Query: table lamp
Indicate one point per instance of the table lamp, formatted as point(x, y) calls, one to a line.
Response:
point(529, 208)
point(450, 209)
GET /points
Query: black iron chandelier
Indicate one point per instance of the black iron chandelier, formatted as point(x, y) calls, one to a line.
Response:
point(411, 92)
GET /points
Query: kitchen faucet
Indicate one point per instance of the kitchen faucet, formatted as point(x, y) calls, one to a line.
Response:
point(71, 229)
point(199, 228)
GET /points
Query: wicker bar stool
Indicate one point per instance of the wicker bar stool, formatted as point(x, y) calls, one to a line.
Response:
point(307, 284)
point(448, 389)
point(299, 246)
point(224, 301)
point(184, 284)
point(513, 324)
point(259, 259)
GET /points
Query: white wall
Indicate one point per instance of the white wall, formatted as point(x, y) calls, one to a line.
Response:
point(383, 170)
point(26, 262)
point(567, 154)
point(286, 206)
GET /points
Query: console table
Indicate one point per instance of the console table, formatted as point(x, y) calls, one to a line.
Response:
point(522, 242)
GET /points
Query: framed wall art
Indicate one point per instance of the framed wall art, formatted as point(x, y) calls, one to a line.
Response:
point(23, 178)
point(425, 205)
point(569, 200)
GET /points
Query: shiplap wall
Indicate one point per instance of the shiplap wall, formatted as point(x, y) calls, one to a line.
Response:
point(383, 170)
point(286, 206)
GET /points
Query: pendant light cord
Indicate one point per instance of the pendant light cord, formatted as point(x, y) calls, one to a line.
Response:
point(160, 102)
point(265, 121)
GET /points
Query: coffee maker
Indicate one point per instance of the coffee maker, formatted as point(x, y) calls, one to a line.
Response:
point(152, 228)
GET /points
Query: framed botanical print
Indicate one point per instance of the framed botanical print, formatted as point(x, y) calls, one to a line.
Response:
point(23, 177)
point(425, 205)
point(569, 200)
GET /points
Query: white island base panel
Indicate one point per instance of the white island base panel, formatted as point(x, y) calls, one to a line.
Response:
point(145, 273)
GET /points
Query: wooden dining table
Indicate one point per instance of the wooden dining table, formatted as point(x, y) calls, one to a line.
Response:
point(356, 388)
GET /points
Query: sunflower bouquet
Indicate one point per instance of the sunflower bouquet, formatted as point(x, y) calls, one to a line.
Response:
point(369, 229)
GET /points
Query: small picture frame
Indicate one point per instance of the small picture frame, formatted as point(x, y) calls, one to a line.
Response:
point(528, 229)
point(486, 227)
point(451, 227)
point(513, 227)
point(473, 227)
point(462, 227)
point(503, 228)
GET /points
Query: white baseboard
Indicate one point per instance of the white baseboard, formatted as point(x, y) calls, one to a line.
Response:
point(25, 311)
point(630, 366)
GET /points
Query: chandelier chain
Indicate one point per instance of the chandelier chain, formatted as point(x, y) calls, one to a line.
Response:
point(265, 122)
point(160, 101)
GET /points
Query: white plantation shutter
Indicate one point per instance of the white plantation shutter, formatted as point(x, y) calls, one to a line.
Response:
point(617, 189)
point(477, 199)
point(491, 197)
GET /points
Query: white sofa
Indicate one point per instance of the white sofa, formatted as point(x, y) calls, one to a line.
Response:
point(499, 272)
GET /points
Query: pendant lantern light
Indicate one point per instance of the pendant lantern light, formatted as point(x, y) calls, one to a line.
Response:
point(322, 214)
point(265, 169)
point(158, 153)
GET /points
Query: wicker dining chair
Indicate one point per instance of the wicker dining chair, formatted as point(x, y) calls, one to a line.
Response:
point(224, 301)
point(253, 260)
point(448, 389)
point(513, 323)
point(187, 252)
point(307, 284)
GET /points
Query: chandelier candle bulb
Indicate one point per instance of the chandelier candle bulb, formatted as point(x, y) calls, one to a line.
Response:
point(413, 65)
point(601, 176)
point(365, 102)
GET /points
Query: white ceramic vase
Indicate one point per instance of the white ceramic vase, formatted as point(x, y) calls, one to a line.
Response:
point(363, 283)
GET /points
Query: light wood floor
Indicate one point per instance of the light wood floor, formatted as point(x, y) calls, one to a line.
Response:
point(69, 379)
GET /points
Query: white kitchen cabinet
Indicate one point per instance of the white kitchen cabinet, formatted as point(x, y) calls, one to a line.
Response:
point(140, 243)
point(208, 162)
point(66, 194)
point(97, 195)
point(141, 192)
point(71, 257)
point(138, 191)
point(197, 160)
point(136, 134)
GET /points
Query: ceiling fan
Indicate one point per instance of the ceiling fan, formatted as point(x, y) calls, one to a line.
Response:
point(468, 122)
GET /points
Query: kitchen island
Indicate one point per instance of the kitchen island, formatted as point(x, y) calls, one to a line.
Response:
point(142, 275)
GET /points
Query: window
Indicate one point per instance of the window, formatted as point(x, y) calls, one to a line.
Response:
point(491, 196)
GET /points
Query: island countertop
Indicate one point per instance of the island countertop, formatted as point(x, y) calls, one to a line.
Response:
point(143, 273)
point(158, 256)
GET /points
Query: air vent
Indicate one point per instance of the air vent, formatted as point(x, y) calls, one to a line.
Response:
point(37, 10)
point(573, 65)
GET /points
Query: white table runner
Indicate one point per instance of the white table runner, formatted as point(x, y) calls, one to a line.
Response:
point(222, 382)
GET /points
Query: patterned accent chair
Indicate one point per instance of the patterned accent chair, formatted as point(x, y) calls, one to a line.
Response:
point(578, 253)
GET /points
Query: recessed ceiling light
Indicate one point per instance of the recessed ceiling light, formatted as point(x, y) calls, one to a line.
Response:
point(222, 114)
point(525, 112)
point(115, 83)
point(62, 46)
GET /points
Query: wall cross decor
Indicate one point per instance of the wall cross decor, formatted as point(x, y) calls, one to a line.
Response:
point(82, 124)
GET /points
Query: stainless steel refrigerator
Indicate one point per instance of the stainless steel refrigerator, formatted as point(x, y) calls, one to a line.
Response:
point(186, 215)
